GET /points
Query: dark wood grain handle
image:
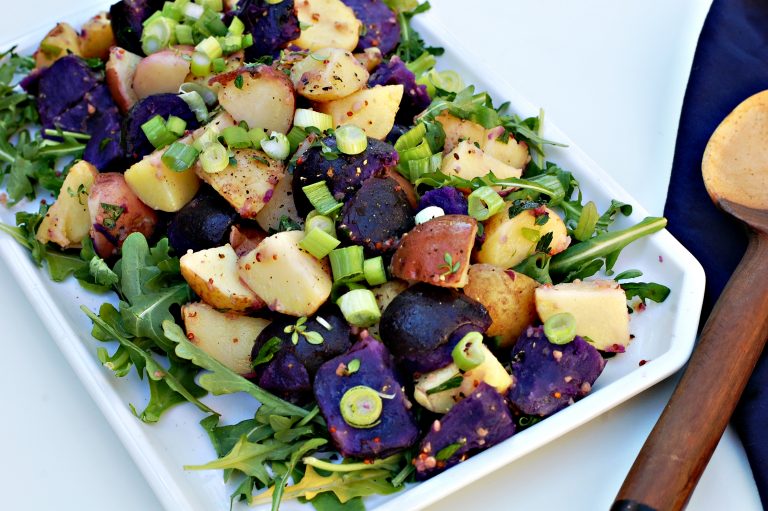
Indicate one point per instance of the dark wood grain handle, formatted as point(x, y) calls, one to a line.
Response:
point(680, 445)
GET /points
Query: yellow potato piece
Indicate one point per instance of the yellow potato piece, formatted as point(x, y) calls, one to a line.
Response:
point(158, 186)
point(61, 41)
point(373, 110)
point(468, 161)
point(327, 24)
point(67, 221)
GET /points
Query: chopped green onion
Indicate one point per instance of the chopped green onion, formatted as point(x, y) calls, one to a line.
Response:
point(318, 242)
point(305, 118)
point(150, 45)
point(200, 64)
point(193, 11)
point(176, 125)
point(218, 65)
point(231, 43)
point(171, 11)
point(411, 138)
point(247, 41)
point(274, 2)
point(296, 136)
point(428, 213)
point(374, 272)
point(560, 328)
point(196, 103)
point(214, 5)
point(210, 24)
point(321, 198)
point(214, 158)
point(211, 47)
point(315, 219)
point(276, 146)
point(155, 15)
point(587, 222)
point(350, 139)
point(417, 168)
point(359, 307)
point(236, 137)
point(449, 81)
point(236, 27)
point(484, 203)
point(157, 132)
point(347, 264)
point(416, 153)
point(361, 407)
point(257, 135)
point(184, 35)
point(159, 34)
point(468, 353)
point(180, 156)
point(206, 93)
point(421, 65)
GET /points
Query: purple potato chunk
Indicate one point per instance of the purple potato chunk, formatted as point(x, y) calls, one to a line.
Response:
point(549, 377)
point(377, 216)
point(105, 149)
point(287, 378)
point(127, 18)
point(474, 424)
point(396, 429)
point(397, 131)
point(415, 96)
point(345, 174)
point(418, 325)
point(273, 26)
point(204, 222)
point(381, 29)
point(61, 91)
point(136, 143)
point(451, 200)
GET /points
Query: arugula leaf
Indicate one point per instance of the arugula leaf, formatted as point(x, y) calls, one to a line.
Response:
point(411, 44)
point(267, 351)
point(162, 396)
point(536, 266)
point(330, 502)
point(646, 291)
point(101, 272)
point(538, 185)
point(279, 487)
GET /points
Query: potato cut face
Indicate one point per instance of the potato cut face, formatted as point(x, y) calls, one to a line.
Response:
point(120, 70)
point(512, 153)
point(328, 74)
point(61, 41)
point(373, 110)
point(280, 205)
point(327, 24)
point(214, 276)
point(160, 73)
point(96, 37)
point(226, 336)
point(600, 309)
point(467, 161)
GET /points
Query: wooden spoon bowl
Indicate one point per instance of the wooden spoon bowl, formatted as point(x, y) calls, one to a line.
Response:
point(735, 171)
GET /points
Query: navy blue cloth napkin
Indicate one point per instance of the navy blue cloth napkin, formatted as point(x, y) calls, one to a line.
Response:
point(731, 64)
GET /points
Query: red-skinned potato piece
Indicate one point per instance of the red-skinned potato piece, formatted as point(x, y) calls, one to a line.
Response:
point(119, 72)
point(258, 95)
point(437, 252)
point(161, 72)
point(244, 239)
point(115, 213)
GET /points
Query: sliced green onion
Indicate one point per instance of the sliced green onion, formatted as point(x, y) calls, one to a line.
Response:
point(321, 198)
point(211, 47)
point(305, 118)
point(374, 272)
point(484, 203)
point(206, 93)
point(276, 146)
point(214, 158)
point(157, 132)
point(155, 15)
point(347, 264)
point(257, 135)
point(150, 45)
point(428, 213)
point(411, 138)
point(560, 328)
point(184, 35)
point(247, 41)
point(176, 125)
point(350, 139)
point(214, 5)
point(180, 156)
point(416, 153)
point(193, 11)
point(200, 64)
point(231, 43)
point(361, 407)
point(359, 307)
point(421, 65)
point(196, 103)
point(210, 24)
point(236, 137)
point(218, 65)
point(417, 168)
point(236, 27)
point(159, 34)
point(274, 2)
point(296, 136)
point(171, 11)
point(468, 353)
point(449, 81)
point(316, 220)
point(318, 242)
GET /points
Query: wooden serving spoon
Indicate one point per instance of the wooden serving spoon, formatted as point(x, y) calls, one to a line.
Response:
point(735, 170)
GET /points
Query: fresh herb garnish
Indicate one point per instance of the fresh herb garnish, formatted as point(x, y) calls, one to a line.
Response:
point(300, 328)
point(353, 366)
point(449, 266)
point(451, 383)
point(267, 352)
point(411, 44)
point(520, 205)
point(112, 214)
point(544, 243)
point(449, 450)
point(239, 81)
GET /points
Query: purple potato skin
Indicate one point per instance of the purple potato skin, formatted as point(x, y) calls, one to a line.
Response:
point(420, 322)
point(273, 26)
point(415, 97)
point(136, 143)
point(550, 377)
point(105, 148)
point(381, 27)
point(204, 222)
point(396, 430)
point(451, 200)
point(479, 421)
point(286, 377)
point(437, 358)
point(377, 216)
point(344, 175)
point(127, 18)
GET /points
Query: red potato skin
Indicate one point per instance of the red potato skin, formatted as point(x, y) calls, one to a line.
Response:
point(119, 86)
point(109, 225)
point(254, 71)
point(244, 239)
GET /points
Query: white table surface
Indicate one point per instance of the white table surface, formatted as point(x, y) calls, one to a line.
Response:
point(612, 75)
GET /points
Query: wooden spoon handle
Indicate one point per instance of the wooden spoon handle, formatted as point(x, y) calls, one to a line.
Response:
point(680, 445)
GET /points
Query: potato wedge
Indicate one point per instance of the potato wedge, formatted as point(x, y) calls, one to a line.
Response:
point(260, 96)
point(161, 72)
point(245, 238)
point(508, 241)
point(228, 337)
point(512, 153)
point(370, 58)
point(120, 70)
point(509, 298)
point(372, 109)
point(599, 306)
point(61, 41)
point(328, 74)
point(280, 205)
point(457, 130)
point(249, 184)
point(290, 280)
point(327, 24)
point(96, 37)
point(67, 221)
point(468, 161)
point(213, 275)
point(437, 252)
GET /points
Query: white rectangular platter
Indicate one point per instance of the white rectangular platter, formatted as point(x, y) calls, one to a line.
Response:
point(664, 337)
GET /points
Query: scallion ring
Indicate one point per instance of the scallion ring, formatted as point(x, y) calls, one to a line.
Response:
point(318, 242)
point(305, 118)
point(428, 213)
point(361, 407)
point(200, 64)
point(468, 353)
point(350, 139)
point(347, 264)
point(179, 156)
point(320, 197)
point(276, 146)
point(374, 271)
point(359, 308)
point(484, 203)
point(560, 328)
point(214, 158)
point(315, 219)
